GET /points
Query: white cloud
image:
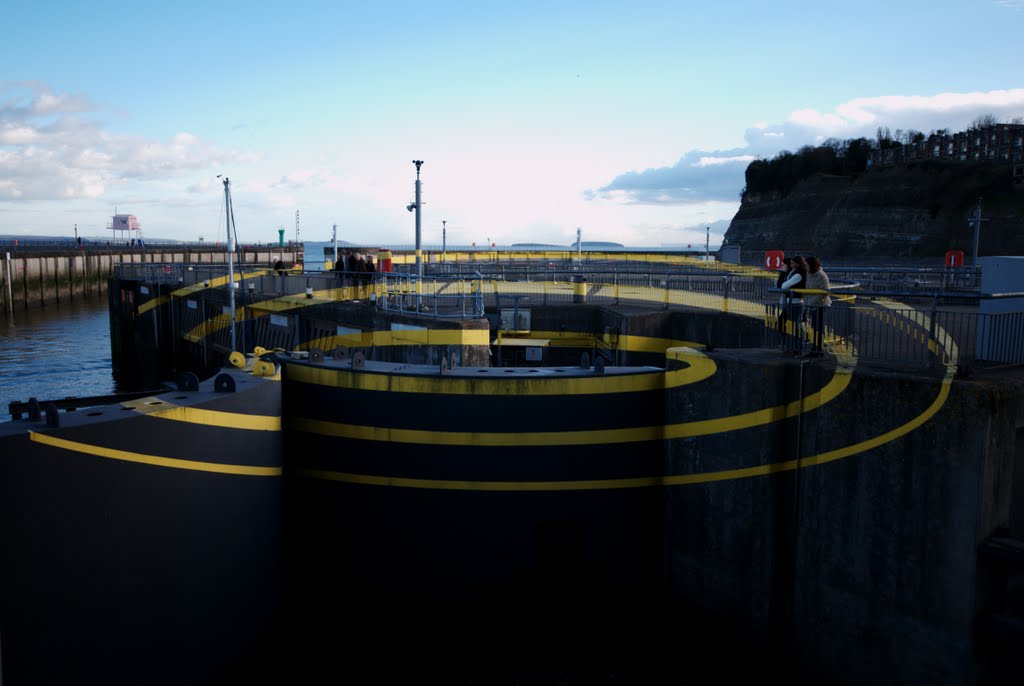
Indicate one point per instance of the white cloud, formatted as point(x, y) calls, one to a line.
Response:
point(700, 176)
point(954, 111)
point(13, 134)
point(52, 151)
point(712, 161)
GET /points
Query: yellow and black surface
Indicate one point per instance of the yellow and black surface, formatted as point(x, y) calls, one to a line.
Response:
point(141, 541)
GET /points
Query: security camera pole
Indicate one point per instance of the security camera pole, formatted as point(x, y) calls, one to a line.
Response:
point(419, 253)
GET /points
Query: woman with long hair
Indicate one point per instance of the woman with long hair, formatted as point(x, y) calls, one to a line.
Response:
point(819, 303)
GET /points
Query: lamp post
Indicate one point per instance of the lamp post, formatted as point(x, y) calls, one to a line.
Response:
point(416, 206)
point(231, 257)
point(444, 240)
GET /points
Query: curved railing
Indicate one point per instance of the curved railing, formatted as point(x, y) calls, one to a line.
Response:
point(871, 325)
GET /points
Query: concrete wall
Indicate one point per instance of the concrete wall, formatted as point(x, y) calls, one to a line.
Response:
point(846, 569)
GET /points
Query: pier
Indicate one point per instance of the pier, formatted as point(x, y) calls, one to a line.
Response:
point(41, 274)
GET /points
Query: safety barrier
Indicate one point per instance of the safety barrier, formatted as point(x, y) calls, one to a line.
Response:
point(888, 332)
point(871, 325)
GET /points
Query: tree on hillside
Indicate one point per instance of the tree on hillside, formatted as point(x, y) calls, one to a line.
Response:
point(983, 121)
point(857, 153)
point(884, 138)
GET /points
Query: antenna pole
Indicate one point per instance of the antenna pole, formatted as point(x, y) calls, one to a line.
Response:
point(231, 258)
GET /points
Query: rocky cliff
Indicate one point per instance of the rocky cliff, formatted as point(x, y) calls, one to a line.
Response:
point(917, 210)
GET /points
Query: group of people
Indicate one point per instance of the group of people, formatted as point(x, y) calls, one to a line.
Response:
point(360, 265)
point(801, 279)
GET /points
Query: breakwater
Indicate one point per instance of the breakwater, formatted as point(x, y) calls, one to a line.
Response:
point(38, 277)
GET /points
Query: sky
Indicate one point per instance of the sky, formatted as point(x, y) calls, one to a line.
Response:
point(630, 122)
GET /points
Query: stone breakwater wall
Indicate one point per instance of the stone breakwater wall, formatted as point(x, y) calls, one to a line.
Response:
point(33, 278)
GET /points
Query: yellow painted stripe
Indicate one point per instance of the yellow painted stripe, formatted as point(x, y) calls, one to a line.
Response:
point(700, 367)
point(888, 436)
point(154, 460)
point(400, 482)
point(678, 479)
point(651, 294)
point(188, 290)
point(384, 339)
point(645, 482)
point(196, 415)
point(480, 439)
point(155, 302)
point(216, 282)
point(840, 380)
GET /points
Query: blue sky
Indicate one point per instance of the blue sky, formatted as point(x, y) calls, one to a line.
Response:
point(632, 121)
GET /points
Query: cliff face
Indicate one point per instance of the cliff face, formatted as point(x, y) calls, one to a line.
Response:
point(919, 210)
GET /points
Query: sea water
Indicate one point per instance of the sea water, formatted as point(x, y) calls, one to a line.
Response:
point(61, 351)
point(55, 352)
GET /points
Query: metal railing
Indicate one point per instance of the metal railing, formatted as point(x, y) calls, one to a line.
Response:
point(918, 328)
point(430, 297)
point(883, 332)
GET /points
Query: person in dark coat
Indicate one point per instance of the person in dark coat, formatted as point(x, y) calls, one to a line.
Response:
point(793, 303)
point(787, 267)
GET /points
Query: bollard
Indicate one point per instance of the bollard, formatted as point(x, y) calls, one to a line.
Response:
point(579, 289)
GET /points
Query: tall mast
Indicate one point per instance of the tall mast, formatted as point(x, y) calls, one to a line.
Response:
point(419, 253)
point(334, 237)
point(231, 258)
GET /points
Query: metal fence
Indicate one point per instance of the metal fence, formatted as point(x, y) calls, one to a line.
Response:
point(878, 333)
point(916, 327)
point(431, 297)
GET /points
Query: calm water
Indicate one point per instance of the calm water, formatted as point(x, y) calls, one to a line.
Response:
point(55, 352)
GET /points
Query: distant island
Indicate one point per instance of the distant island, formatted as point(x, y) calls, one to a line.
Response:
point(597, 245)
point(587, 245)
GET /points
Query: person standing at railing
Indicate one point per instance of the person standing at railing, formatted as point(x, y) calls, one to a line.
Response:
point(787, 267)
point(793, 304)
point(819, 303)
